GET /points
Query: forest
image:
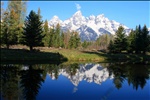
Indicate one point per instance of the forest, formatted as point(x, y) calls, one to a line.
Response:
point(32, 31)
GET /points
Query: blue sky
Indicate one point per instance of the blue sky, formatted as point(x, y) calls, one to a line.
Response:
point(129, 13)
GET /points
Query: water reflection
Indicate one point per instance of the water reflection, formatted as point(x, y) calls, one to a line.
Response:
point(9, 82)
point(30, 80)
point(24, 81)
point(89, 72)
point(134, 74)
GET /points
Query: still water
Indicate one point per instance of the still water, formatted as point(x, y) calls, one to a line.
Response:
point(75, 81)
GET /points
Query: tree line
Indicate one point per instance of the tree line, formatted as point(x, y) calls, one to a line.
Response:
point(54, 37)
point(138, 41)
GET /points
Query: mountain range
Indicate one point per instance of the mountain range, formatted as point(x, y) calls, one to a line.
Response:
point(89, 28)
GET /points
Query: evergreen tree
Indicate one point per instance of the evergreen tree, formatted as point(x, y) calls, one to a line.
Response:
point(57, 36)
point(70, 44)
point(51, 37)
point(111, 47)
point(46, 32)
point(145, 38)
point(74, 41)
point(77, 40)
point(138, 40)
point(131, 42)
point(120, 41)
point(149, 44)
point(32, 34)
point(39, 13)
point(62, 40)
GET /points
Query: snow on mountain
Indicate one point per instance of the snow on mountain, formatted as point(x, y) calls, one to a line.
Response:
point(89, 28)
point(54, 21)
point(88, 72)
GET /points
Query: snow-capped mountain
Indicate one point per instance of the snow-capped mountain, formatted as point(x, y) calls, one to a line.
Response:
point(88, 72)
point(89, 28)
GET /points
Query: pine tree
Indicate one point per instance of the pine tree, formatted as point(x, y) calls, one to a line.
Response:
point(145, 38)
point(138, 40)
point(131, 42)
point(51, 37)
point(62, 40)
point(77, 40)
point(120, 41)
point(57, 34)
point(39, 13)
point(46, 32)
point(32, 34)
point(111, 47)
point(70, 44)
point(149, 44)
point(74, 41)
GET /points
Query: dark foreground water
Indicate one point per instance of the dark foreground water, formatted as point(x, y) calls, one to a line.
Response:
point(75, 81)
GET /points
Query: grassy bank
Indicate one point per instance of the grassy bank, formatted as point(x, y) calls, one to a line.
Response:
point(70, 55)
point(76, 55)
point(21, 55)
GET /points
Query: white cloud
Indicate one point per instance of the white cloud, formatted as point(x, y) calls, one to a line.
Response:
point(78, 6)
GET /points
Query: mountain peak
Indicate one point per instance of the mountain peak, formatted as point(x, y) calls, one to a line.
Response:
point(55, 17)
point(54, 21)
point(78, 13)
point(101, 16)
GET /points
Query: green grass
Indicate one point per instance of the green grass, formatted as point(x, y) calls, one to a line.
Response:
point(76, 55)
point(70, 55)
point(94, 56)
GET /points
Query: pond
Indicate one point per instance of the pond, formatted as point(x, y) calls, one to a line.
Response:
point(75, 81)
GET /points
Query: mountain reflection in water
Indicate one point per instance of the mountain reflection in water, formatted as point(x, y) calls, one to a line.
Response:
point(19, 82)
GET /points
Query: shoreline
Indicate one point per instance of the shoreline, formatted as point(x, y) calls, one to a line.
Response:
point(63, 55)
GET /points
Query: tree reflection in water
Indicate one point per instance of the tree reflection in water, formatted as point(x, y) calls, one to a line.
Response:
point(9, 82)
point(72, 69)
point(134, 74)
point(31, 80)
point(137, 76)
